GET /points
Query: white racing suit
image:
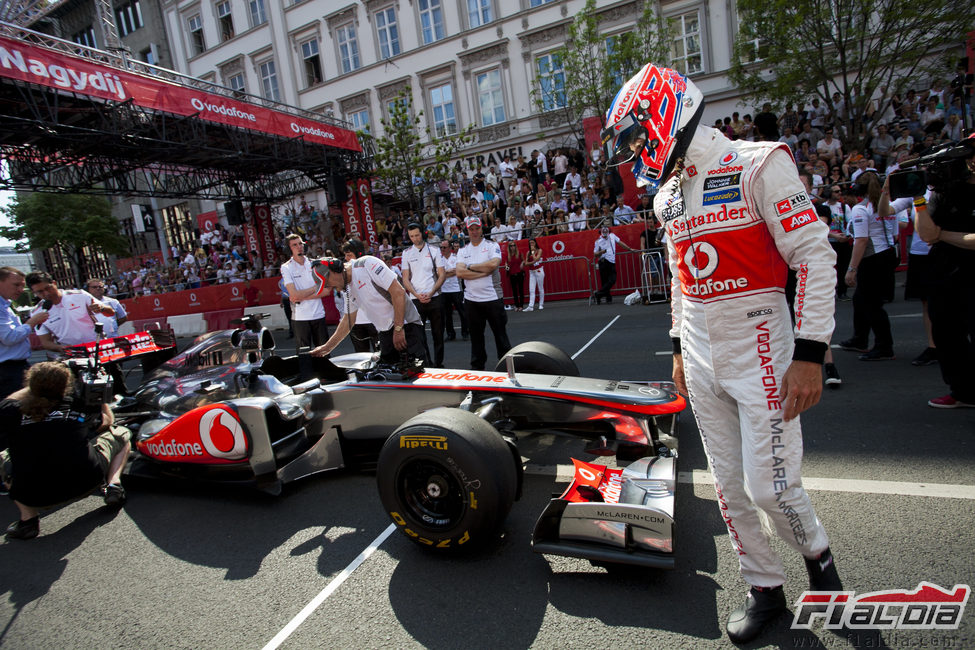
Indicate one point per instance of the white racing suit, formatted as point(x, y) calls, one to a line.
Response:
point(736, 217)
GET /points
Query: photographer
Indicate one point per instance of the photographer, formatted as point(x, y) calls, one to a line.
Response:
point(947, 222)
point(50, 459)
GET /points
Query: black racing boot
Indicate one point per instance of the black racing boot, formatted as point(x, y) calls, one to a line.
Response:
point(762, 606)
point(822, 573)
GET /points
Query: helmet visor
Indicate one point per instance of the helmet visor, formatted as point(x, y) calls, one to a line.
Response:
point(624, 136)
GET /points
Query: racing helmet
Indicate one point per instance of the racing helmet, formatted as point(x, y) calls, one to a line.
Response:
point(660, 107)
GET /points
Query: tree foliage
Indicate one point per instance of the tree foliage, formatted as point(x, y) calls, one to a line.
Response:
point(594, 66)
point(405, 161)
point(65, 222)
point(863, 49)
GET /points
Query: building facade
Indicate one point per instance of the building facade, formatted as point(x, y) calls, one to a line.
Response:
point(464, 61)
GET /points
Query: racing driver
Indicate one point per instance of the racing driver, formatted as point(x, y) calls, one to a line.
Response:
point(737, 218)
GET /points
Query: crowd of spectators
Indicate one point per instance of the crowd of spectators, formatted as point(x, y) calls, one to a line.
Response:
point(568, 190)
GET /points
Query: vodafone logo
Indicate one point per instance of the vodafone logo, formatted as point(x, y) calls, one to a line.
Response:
point(728, 158)
point(193, 299)
point(558, 247)
point(235, 291)
point(701, 259)
point(222, 436)
point(691, 171)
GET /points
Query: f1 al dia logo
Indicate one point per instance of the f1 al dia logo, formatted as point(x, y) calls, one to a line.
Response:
point(927, 607)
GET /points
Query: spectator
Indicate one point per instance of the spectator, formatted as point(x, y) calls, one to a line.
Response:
point(829, 148)
point(604, 254)
point(536, 275)
point(766, 124)
point(789, 138)
point(623, 214)
point(516, 275)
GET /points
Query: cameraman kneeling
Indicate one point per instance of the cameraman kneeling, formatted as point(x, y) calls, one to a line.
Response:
point(51, 457)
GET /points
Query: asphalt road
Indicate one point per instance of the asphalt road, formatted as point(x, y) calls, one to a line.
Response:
point(891, 478)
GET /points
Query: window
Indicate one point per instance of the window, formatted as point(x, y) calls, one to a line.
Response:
point(148, 55)
point(226, 20)
point(442, 103)
point(387, 32)
point(348, 48)
point(393, 105)
point(686, 51)
point(431, 20)
point(490, 98)
point(269, 81)
point(538, 3)
point(236, 83)
point(611, 43)
point(197, 41)
point(359, 119)
point(551, 81)
point(128, 17)
point(313, 62)
point(85, 37)
point(478, 12)
point(258, 13)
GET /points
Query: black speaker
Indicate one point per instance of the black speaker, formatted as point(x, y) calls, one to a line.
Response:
point(337, 192)
point(235, 212)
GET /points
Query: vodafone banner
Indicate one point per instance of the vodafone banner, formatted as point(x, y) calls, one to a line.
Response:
point(206, 221)
point(358, 214)
point(46, 67)
point(264, 231)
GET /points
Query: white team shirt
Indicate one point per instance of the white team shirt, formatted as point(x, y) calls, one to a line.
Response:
point(301, 277)
point(487, 288)
point(451, 284)
point(607, 244)
point(69, 322)
point(368, 292)
point(111, 322)
point(867, 223)
point(423, 264)
point(577, 221)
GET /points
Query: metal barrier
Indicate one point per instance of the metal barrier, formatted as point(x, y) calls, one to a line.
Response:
point(639, 270)
point(565, 278)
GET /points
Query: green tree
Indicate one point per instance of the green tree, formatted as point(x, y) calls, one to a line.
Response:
point(405, 161)
point(582, 77)
point(865, 50)
point(65, 222)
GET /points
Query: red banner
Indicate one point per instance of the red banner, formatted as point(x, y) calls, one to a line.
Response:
point(47, 67)
point(206, 221)
point(264, 227)
point(365, 208)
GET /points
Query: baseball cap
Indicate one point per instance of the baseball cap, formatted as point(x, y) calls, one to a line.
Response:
point(472, 221)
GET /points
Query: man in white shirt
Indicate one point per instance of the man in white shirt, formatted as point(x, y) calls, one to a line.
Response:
point(830, 149)
point(477, 266)
point(604, 254)
point(453, 294)
point(577, 218)
point(423, 275)
point(369, 286)
point(72, 313)
point(573, 182)
point(307, 310)
point(110, 324)
point(507, 174)
point(560, 166)
point(365, 337)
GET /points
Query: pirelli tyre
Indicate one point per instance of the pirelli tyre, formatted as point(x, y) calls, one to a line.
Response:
point(540, 358)
point(447, 478)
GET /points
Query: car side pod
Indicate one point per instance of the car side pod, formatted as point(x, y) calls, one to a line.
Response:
point(613, 515)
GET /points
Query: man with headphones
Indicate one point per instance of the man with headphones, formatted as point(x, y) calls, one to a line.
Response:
point(367, 284)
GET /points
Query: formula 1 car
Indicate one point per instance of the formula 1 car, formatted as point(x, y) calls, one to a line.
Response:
point(443, 443)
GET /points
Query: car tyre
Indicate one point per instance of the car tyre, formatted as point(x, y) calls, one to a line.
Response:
point(539, 357)
point(447, 479)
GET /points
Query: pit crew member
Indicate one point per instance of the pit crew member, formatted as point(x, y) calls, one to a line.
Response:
point(366, 283)
point(737, 218)
point(72, 313)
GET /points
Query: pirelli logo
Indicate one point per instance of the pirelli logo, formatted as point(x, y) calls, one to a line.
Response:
point(799, 220)
point(415, 442)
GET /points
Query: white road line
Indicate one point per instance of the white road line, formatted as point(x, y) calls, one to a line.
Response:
point(858, 486)
point(917, 315)
point(336, 582)
point(593, 339)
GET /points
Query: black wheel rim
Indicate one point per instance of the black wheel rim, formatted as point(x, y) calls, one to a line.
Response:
point(432, 495)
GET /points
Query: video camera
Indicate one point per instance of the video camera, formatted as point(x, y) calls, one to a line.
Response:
point(940, 168)
point(93, 385)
